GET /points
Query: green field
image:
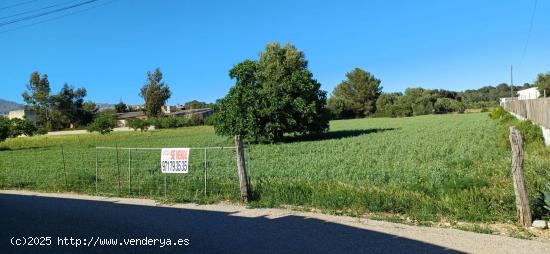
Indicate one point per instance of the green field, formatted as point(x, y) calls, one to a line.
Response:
point(429, 168)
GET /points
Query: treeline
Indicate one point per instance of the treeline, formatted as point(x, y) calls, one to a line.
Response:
point(66, 109)
point(69, 109)
point(360, 95)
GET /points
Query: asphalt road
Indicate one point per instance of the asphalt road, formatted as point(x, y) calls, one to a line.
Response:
point(206, 231)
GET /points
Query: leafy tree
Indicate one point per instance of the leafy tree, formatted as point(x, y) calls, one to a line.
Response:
point(70, 102)
point(89, 110)
point(272, 96)
point(38, 98)
point(356, 96)
point(194, 104)
point(21, 127)
point(121, 107)
point(386, 104)
point(139, 124)
point(543, 83)
point(155, 93)
point(4, 128)
point(103, 123)
point(238, 112)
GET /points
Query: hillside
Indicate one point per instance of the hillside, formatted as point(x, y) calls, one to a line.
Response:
point(7, 106)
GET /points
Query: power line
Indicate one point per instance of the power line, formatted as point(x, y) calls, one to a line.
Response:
point(528, 33)
point(46, 13)
point(15, 5)
point(58, 17)
point(39, 9)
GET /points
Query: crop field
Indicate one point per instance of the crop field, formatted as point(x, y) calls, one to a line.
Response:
point(428, 168)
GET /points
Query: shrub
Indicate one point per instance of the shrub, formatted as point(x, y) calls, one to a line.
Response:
point(170, 122)
point(209, 120)
point(139, 124)
point(530, 131)
point(497, 113)
point(197, 119)
point(22, 127)
point(4, 128)
point(103, 123)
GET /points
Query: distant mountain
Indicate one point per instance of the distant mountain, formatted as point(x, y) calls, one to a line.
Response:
point(7, 106)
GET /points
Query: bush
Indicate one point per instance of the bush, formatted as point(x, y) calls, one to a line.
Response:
point(139, 124)
point(103, 123)
point(530, 131)
point(497, 113)
point(170, 122)
point(22, 127)
point(197, 119)
point(209, 120)
point(4, 128)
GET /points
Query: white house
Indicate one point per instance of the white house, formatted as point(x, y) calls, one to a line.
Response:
point(528, 94)
point(30, 115)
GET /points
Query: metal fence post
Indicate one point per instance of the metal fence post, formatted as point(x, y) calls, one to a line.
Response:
point(96, 168)
point(118, 169)
point(64, 170)
point(165, 185)
point(205, 170)
point(129, 171)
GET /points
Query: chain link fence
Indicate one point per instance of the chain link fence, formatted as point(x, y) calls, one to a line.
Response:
point(123, 171)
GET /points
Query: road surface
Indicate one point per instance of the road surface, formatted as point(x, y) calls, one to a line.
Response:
point(221, 228)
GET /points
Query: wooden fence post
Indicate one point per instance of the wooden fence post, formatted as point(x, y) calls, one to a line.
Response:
point(241, 168)
point(522, 199)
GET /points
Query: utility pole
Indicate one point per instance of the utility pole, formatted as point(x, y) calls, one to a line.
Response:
point(511, 82)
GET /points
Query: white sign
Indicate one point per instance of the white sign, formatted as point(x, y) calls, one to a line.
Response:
point(174, 160)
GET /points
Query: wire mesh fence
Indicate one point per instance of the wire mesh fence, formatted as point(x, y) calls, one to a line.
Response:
point(123, 171)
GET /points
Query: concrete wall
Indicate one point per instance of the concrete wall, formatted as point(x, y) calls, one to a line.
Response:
point(535, 110)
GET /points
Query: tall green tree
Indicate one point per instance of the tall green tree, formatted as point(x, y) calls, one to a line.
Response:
point(238, 113)
point(356, 96)
point(543, 83)
point(272, 96)
point(70, 103)
point(121, 107)
point(155, 93)
point(385, 104)
point(37, 97)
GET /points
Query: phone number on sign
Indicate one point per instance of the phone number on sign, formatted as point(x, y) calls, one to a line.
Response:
point(174, 166)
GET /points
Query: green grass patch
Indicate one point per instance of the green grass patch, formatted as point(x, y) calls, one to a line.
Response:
point(427, 168)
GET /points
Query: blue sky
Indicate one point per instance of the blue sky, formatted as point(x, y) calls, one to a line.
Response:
point(109, 48)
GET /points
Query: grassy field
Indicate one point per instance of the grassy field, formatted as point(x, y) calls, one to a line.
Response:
point(429, 168)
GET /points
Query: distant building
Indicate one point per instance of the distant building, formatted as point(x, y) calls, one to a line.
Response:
point(29, 115)
point(123, 118)
point(528, 94)
point(188, 113)
point(507, 99)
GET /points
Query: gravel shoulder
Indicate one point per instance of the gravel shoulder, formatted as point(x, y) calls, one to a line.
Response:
point(447, 239)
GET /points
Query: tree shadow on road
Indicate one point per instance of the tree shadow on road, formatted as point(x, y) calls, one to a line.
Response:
point(207, 231)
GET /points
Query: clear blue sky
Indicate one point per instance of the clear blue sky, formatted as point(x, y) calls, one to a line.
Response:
point(108, 49)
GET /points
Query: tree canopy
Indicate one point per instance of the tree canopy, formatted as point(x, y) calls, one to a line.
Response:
point(57, 111)
point(543, 83)
point(272, 96)
point(155, 93)
point(356, 96)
